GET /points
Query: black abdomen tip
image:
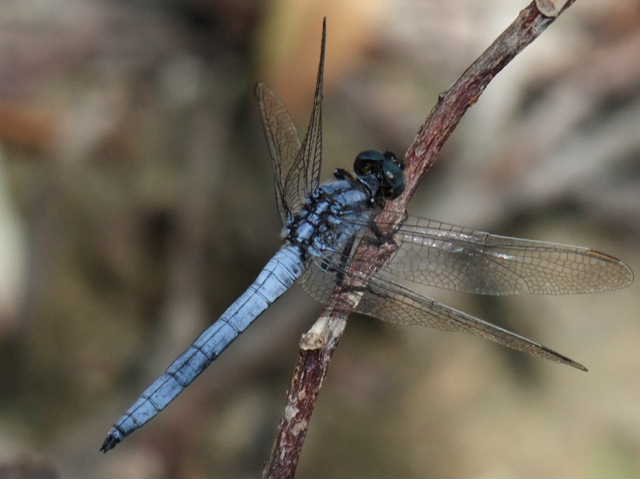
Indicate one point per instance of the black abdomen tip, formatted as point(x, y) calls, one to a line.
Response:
point(110, 442)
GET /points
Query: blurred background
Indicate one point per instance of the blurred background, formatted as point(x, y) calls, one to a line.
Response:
point(136, 204)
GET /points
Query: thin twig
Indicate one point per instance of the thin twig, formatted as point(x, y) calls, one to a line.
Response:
point(318, 344)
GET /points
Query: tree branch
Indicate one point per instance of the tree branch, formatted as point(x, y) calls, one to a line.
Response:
point(319, 343)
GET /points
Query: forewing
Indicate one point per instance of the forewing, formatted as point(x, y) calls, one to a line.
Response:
point(282, 141)
point(304, 175)
point(454, 257)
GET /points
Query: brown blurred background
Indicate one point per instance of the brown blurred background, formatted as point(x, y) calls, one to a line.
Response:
point(136, 204)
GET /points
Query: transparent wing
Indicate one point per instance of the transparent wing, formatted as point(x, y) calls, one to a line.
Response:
point(282, 141)
point(389, 301)
point(296, 166)
point(454, 257)
point(304, 175)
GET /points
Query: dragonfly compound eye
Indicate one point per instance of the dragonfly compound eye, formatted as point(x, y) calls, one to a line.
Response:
point(392, 176)
point(368, 162)
point(387, 169)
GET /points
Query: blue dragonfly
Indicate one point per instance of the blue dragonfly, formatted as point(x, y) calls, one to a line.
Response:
point(324, 224)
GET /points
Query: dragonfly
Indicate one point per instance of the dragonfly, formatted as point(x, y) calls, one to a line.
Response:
point(324, 224)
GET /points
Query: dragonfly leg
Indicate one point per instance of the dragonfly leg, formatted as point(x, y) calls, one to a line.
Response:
point(381, 238)
point(344, 257)
point(342, 174)
point(386, 238)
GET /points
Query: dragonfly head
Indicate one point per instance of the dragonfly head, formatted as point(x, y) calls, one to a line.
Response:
point(387, 170)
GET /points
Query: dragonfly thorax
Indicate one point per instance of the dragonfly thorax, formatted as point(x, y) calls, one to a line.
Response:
point(332, 214)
